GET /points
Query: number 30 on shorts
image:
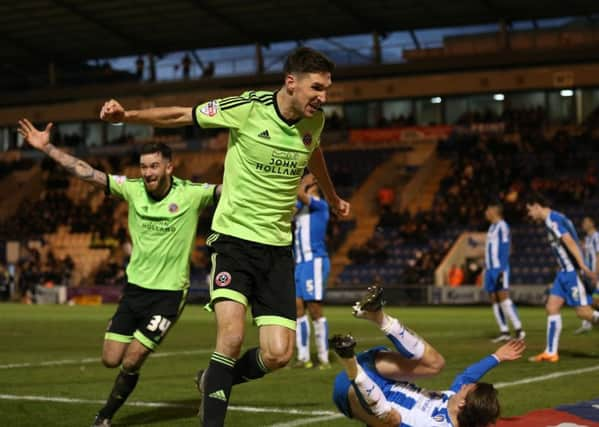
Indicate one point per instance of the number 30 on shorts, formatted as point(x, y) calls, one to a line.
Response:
point(158, 323)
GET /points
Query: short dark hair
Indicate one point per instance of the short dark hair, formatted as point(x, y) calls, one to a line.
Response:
point(537, 198)
point(157, 147)
point(496, 204)
point(481, 407)
point(307, 60)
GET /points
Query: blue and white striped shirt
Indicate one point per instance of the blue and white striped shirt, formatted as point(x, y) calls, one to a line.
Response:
point(424, 408)
point(591, 247)
point(558, 225)
point(497, 253)
point(311, 229)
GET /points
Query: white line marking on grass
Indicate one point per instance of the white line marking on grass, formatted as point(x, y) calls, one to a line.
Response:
point(167, 405)
point(547, 377)
point(89, 360)
point(307, 421)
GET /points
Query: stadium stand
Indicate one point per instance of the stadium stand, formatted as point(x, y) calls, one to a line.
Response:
point(406, 248)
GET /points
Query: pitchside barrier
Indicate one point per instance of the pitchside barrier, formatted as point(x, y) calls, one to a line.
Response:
point(394, 294)
point(438, 295)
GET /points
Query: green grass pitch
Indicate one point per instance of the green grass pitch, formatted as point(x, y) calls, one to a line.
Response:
point(34, 337)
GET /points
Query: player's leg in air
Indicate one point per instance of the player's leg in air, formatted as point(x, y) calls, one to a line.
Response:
point(497, 284)
point(133, 333)
point(413, 357)
point(374, 387)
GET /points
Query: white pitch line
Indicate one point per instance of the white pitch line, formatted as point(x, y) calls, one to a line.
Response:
point(547, 377)
point(251, 409)
point(89, 360)
point(307, 421)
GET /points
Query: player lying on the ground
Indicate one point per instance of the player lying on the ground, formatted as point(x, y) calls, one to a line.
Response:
point(374, 387)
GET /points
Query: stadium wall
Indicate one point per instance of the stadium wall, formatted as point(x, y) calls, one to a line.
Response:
point(405, 86)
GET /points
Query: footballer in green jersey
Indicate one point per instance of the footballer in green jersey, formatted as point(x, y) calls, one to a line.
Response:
point(163, 217)
point(273, 137)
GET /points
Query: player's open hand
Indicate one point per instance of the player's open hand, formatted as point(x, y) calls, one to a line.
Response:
point(112, 112)
point(340, 207)
point(512, 350)
point(35, 138)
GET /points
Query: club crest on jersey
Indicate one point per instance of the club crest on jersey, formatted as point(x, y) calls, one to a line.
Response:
point(307, 139)
point(173, 207)
point(120, 179)
point(222, 279)
point(210, 109)
point(439, 418)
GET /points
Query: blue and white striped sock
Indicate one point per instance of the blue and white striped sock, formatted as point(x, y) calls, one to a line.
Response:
point(321, 335)
point(500, 318)
point(410, 345)
point(509, 309)
point(302, 338)
point(554, 329)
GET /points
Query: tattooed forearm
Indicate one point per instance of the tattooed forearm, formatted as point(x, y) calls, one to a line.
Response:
point(77, 167)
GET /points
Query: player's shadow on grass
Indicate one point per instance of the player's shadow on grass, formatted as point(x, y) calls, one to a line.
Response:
point(184, 409)
point(578, 354)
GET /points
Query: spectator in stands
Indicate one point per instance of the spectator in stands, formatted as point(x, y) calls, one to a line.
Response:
point(455, 276)
point(373, 251)
point(386, 197)
point(5, 282)
point(208, 70)
point(152, 61)
point(139, 68)
point(186, 66)
point(388, 218)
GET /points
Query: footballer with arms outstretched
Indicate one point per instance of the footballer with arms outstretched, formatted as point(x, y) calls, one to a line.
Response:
point(273, 137)
point(163, 217)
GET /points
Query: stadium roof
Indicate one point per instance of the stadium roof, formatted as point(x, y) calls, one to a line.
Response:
point(37, 31)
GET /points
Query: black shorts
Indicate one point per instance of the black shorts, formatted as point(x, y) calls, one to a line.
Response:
point(145, 314)
point(254, 274)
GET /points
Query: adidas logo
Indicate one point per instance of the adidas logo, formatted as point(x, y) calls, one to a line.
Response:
point(219, 394)
point(264, 134)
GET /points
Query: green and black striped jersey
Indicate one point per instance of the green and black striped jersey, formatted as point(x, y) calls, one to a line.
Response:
point(266, 157)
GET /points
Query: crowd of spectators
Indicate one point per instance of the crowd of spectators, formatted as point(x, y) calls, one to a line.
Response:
point(514, 119)
point(31, 271)
point(484, 169)
point(421, 267)
point(495, 169)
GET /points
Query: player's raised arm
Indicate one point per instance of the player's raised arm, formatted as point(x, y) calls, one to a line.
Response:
point(318, 167)
point(41, 141)
point(302, 191)
point(165, 117)
point(512, 350)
